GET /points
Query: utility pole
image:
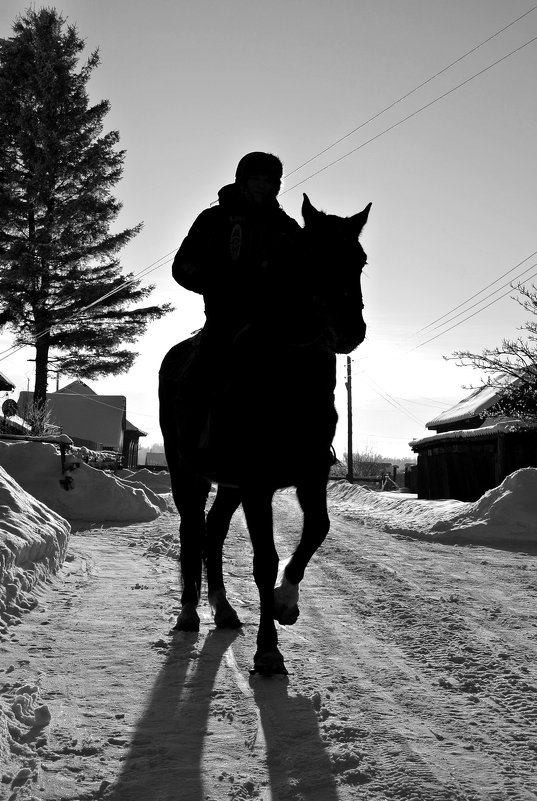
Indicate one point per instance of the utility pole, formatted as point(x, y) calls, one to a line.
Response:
point(350, 470)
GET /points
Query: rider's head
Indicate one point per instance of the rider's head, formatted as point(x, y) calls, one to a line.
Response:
point(259, 176)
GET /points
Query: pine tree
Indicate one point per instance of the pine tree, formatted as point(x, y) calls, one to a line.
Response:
point(61, 286)
point(514, 360)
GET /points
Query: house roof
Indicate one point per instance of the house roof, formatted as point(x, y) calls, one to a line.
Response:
point(85, 415)
point(76, 387)
point(5, 384)
point(487, 429)
point(473, 405)
point(131, 427)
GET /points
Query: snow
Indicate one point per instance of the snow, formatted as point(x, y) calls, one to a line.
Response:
point(93, 496)
point(474, 404)
point(35, 527)
point(487, 428)
point(33, 544)
point(504, 515)
point(37, 512)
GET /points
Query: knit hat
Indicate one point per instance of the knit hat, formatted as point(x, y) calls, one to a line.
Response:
point(258, 163)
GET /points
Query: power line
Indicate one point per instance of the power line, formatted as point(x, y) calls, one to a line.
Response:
point(425, 402)
point(408, 94)
point(160, 262)
point(410, 116)
point(136, 276)
point(382, 436)
point(473, 306)
point(387, 397)
point(421, 345)
point(378, 114)
point(447, 314)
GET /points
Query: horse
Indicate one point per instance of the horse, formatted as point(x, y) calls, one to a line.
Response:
point(278, 399)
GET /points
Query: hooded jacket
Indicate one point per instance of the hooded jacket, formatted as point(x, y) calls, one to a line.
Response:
point(241, 257)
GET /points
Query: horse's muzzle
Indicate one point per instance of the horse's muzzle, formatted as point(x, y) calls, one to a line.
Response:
point(347, 341)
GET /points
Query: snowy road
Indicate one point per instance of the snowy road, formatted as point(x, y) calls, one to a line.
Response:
point(412, 675)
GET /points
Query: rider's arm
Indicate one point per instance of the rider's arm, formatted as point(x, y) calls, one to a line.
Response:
point(193, 260)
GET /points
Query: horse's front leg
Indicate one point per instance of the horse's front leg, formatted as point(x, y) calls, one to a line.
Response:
point(312, 498)
point(257, 505)
point(225, 505)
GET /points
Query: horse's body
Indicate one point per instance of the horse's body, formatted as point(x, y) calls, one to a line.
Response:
point(271, 426)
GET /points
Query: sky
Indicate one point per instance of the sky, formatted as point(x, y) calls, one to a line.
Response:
point(196, 84)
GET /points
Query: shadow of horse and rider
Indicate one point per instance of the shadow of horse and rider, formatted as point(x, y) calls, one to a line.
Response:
point(165, 761)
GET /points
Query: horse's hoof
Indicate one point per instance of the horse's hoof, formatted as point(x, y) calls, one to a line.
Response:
point(188, 619)
point(224, 615)
point(269, 664)
point(286, 609)
point(287, 615)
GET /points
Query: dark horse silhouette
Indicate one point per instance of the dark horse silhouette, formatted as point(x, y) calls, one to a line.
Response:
point(271, 425)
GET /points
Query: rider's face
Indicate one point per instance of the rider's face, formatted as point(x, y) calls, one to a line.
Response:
point(260, 187)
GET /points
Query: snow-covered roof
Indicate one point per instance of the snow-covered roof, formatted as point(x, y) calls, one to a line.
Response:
point(18, 425)
point(6, 384)
point(473, 405)
point(487, 429)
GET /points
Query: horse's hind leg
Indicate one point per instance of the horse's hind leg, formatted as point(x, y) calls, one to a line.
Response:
point(312, 498)
point(190, 496)
point(225, 505)
point(189, 490)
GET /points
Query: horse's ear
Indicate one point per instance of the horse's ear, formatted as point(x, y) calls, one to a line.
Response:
point(308, 210)
point(359, 220)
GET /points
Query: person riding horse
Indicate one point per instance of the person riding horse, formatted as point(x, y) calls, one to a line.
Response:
point(242, 256)
point(248, 403)
point(231, 248)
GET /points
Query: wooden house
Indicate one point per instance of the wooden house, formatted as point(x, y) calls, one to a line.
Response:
point(97, 421)
point(470, 453)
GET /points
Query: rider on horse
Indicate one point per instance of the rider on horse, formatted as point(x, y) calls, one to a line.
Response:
point(233, 249)
point(242, 256)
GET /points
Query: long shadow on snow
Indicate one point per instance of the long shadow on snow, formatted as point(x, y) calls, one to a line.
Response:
point(165, 754)
point(297, 761)
point(164, 760)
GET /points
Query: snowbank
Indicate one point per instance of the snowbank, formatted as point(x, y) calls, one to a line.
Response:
point(89, 494)
point(505, 515)
point(158, 482)
point(33, 542)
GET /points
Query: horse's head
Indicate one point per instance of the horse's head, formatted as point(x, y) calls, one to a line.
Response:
point(335, 261)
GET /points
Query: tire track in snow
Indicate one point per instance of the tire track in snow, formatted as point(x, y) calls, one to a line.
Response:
point(422, 659)
point(470, 669)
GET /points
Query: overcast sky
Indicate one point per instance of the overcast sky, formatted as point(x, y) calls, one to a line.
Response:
point(195, 84)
